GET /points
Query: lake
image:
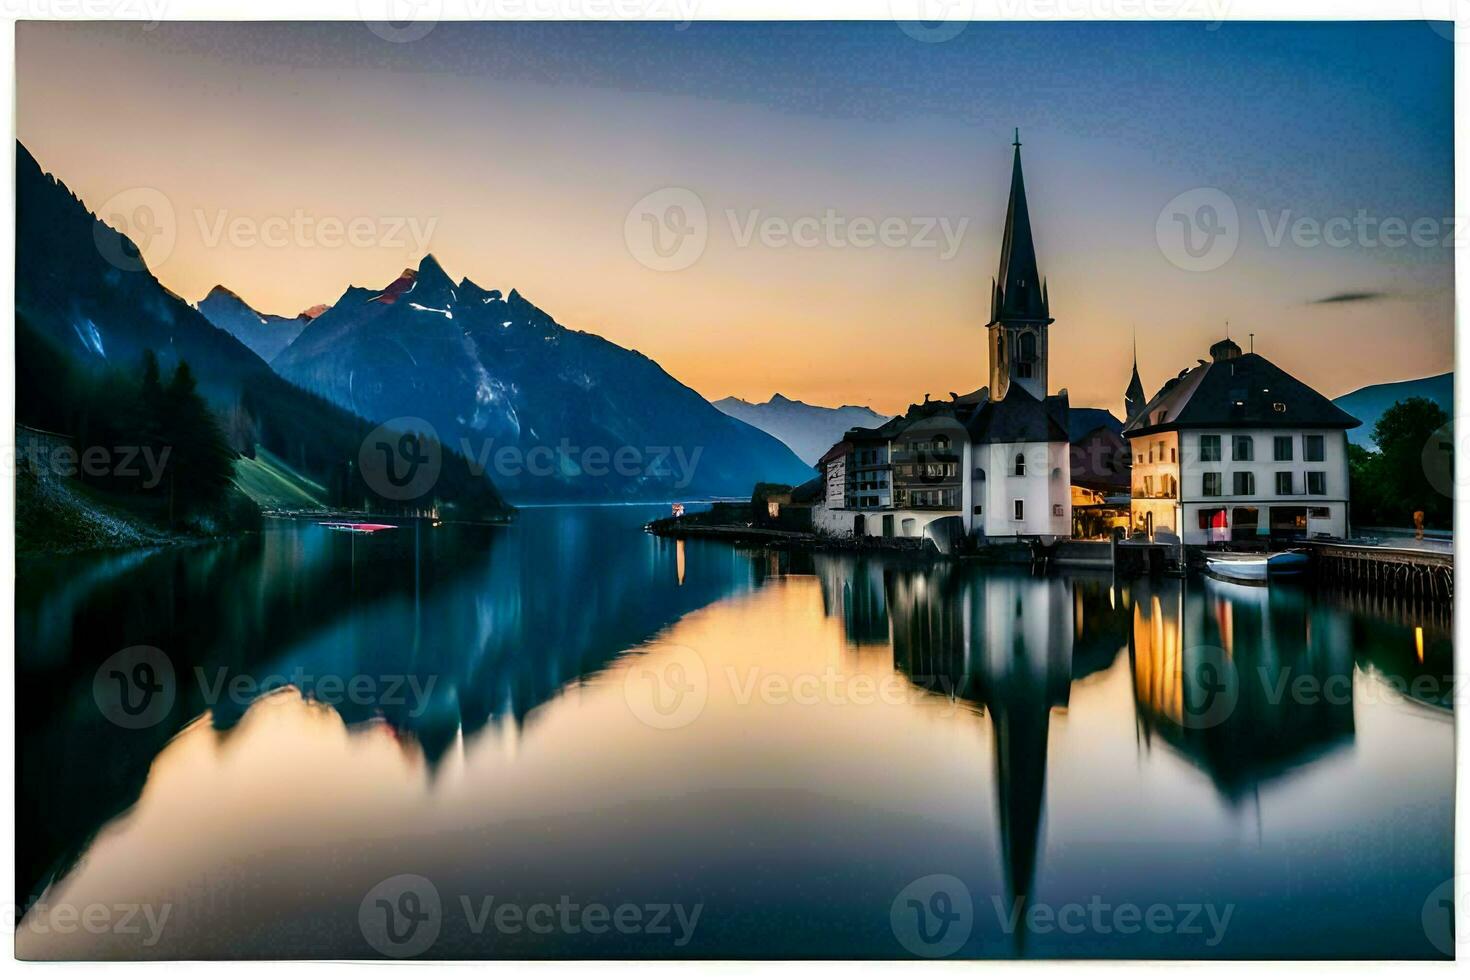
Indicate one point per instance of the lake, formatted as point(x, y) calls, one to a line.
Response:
point(568, 738)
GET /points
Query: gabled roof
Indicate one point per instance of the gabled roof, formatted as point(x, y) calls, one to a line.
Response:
point(1237, 391)
point(1020, 417)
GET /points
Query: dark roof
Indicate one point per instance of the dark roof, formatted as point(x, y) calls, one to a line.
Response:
point(1020, 417)
point(809, 492)
point(1238, 391)
point(1082, 422)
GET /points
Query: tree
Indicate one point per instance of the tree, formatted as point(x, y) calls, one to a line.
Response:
point(200, 464)
point(1391, 484)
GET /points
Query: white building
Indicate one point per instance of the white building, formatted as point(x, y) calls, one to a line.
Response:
point(1236, 449)
point(995, 463)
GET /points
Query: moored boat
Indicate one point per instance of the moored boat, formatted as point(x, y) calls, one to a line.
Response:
point(1255, 566)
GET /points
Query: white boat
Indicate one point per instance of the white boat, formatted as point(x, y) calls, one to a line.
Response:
point(1255, 566)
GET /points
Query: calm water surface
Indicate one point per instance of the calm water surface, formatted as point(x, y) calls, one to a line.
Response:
point(570, 711)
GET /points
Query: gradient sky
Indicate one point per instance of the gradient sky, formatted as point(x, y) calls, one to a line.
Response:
point(526, 145)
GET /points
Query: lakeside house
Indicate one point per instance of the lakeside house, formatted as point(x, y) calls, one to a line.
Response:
point(993, 464)
point(1236, 449)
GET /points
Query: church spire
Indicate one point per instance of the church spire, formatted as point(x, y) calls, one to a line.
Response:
point(1018, 295)
point(1134, 399)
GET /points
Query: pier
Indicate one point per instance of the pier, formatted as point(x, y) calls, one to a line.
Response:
point(1404, 567)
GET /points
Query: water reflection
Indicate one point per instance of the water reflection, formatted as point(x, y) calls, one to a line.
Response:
point(1061, 736)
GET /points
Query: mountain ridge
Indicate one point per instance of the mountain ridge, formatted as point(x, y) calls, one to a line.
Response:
point(549, 404)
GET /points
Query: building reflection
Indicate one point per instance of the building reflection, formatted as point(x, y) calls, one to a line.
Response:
point(1008, 646)
point(1247, 683)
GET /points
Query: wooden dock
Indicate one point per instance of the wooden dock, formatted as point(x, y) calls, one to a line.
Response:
point(1419, 570)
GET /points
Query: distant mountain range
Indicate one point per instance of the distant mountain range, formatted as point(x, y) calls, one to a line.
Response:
point(1371, 402)
point(554, 414)
point(264, 333)
point(84, 289)
point(810, 430)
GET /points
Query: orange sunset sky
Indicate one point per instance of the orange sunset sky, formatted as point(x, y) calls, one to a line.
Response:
point(518, 151)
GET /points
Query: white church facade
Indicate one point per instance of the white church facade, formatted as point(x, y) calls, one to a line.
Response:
point(994, 464)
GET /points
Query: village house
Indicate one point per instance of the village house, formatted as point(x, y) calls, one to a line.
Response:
point(993, 464)
point(1236, 449)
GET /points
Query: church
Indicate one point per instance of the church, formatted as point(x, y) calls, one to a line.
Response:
point(994, 464)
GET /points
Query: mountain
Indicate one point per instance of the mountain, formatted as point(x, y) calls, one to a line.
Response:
point(555, 414)
point(810, 430)
point(1371, 402)
point(264, 333)
point(85, 291)
point(1081, 421)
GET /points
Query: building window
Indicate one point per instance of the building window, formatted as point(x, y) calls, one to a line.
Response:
point(1173, 455)
point(1319, 513)
point(1317, 482)
point(1283, 449)
point(1211, 486)
point(1312, 449)
point(1209, 449)
point(1283, 484)
point(1020, 464)
point(1244, 449)
point(1148, 486)
point(977, 510)
point(979, 473)
point(1018, 510)
point(1245, 484)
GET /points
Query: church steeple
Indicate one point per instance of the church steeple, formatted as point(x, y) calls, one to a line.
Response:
point(1020, 310)
point(1134, 399)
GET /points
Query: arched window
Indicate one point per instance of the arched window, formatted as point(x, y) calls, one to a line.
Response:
point(1025, 354)
point(1020, 464)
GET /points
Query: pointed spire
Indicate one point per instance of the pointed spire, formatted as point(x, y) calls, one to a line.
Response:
point(1135, 398)
point(1019, 294)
